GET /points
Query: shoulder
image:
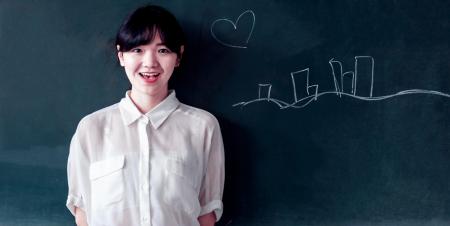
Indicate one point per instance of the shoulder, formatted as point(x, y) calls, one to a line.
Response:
point(99, 118)
point(197, 115)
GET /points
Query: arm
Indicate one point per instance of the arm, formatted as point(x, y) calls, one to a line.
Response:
point(207, 219)
point(77, 165)
point(211, 190)
point(80, 217)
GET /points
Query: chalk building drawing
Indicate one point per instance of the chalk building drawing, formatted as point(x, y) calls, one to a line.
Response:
point(356, 84)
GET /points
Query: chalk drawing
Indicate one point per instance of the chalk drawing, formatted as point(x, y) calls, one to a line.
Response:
point(305, 95)
point(246, 14)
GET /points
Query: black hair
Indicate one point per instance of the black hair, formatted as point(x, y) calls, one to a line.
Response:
point(143, 24)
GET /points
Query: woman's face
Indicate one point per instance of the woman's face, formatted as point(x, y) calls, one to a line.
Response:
point(149, 67)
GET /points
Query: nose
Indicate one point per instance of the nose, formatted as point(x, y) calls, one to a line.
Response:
point(150, 59)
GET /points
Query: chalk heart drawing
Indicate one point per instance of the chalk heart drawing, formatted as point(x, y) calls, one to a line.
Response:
point(248, 15)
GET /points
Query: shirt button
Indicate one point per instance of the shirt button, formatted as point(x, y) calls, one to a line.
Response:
point(145, 187)
point(145, 219)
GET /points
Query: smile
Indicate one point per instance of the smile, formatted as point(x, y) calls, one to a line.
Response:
point(149, 77)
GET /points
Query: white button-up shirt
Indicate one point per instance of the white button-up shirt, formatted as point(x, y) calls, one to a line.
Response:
point(163, 168)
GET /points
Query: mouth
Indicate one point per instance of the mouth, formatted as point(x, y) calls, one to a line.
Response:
point(149, 76)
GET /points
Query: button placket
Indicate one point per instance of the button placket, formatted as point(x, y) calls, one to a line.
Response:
point(144, 176)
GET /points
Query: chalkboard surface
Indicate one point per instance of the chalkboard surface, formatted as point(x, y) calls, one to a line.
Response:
point(332, 112)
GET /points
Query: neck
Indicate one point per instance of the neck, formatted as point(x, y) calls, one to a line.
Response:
point(146, 102)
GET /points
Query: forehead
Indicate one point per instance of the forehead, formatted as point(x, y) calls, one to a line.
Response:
point(155, 41)
point(143, 37)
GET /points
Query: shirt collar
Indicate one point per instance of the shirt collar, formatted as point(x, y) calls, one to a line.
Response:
point(130, 113)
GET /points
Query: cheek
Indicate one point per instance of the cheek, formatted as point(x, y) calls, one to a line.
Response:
point(130, 66)
point(129, 60)
point(129, 71)
point(170, 64)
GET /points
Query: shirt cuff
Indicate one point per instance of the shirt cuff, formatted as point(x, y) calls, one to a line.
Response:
point(72, 202)
point(216, 206)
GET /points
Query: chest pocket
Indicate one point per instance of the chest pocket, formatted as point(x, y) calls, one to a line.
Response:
point(182, 185)
point(106, 178)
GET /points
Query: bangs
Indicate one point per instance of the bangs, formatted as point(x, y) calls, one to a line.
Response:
point(143, 25)
point(131, 38)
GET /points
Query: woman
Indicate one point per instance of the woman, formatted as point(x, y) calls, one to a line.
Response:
point(149, 159)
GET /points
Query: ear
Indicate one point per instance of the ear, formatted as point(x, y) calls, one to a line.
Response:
point(180, 56)
point(120, 56)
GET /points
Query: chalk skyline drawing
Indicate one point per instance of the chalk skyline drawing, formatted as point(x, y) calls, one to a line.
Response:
point(234, 24)
point(356, 84)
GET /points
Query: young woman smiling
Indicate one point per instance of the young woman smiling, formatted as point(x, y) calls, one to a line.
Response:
point(149, 159)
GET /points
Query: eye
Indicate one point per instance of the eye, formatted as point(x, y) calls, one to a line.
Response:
point(164, 51)
point(136, 50)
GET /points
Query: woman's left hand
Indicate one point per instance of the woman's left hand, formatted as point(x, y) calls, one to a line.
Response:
point(207, 219)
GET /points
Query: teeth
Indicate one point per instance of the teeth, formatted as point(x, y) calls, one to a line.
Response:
point(148, 75)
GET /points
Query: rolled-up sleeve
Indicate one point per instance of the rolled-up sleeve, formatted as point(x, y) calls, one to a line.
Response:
point(213, 182)
point(77, 166)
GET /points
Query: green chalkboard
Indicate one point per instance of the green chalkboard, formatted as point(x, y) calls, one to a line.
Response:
point(332, 112)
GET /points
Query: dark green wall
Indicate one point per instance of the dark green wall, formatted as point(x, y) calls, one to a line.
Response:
point(342, 159)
